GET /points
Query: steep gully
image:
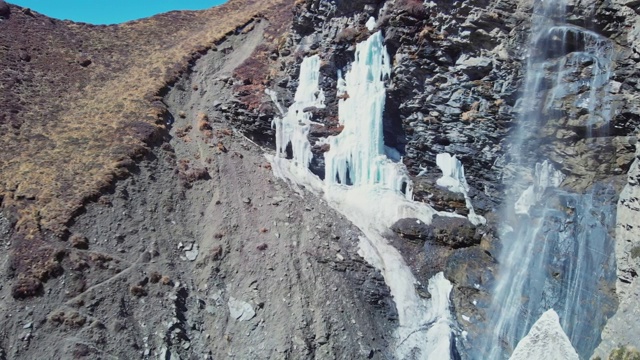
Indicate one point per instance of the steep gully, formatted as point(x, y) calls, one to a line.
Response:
point(573, 228)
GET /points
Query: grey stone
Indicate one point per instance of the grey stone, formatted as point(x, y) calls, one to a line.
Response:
point(546, 340)
point(240, 310)
point(192, 254)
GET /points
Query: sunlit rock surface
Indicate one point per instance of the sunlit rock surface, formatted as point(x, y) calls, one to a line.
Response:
point(545, 340)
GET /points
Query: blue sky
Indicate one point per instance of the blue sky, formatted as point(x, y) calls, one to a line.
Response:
point(110, 11)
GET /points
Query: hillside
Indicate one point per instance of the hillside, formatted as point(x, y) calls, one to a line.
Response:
point(321, 179)
point(81, 103)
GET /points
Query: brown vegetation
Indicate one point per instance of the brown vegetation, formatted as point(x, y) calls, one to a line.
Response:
point(80, 102)
point(107, 110)
point(79, 242)
point(203, 122)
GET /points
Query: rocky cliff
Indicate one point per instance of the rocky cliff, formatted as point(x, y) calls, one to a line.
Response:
point(141, 220)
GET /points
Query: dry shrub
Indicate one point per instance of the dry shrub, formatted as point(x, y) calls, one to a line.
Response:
point(182, 132)
point(138, 290)
point(76, 262)
point(224, 132)
point(72, 319)
point(75, 319)
point(25, 287)
point(50, 269)
point(221, 147)
point(100, 259)
point(78, 241)
point(262, 247)
point(155, 277)
point(192, 175)
point(203, 122)
point(216, 252)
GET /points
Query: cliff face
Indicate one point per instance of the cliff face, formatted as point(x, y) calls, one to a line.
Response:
point(132, 180)
point(458, 75)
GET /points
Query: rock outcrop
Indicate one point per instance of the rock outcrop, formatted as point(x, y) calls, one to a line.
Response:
point(546, 340)
point(619, 330)
point(457, 72)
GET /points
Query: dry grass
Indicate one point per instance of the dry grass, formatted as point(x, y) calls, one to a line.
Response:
point(70, 128)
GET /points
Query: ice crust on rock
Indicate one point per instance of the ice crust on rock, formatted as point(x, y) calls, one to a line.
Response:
point(545, 176)
point(372, 191)
point(453, 179)
point(546, 340)
point(452, 173)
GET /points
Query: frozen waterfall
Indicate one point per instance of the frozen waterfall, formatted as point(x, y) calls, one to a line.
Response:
point(357, 154)
point(293, 127)
point(369, 189)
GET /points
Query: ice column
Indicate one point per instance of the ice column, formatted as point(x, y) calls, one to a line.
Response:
point(356, 155)
point(293, 127)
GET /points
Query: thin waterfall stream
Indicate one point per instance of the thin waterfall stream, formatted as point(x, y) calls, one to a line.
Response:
point(557, 246)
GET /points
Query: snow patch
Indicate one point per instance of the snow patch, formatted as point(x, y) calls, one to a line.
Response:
point(371, 23)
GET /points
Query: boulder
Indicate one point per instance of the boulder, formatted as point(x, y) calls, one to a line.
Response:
point(475, 67)
point(546, 340)
point(448, 231)
point(240, 310)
